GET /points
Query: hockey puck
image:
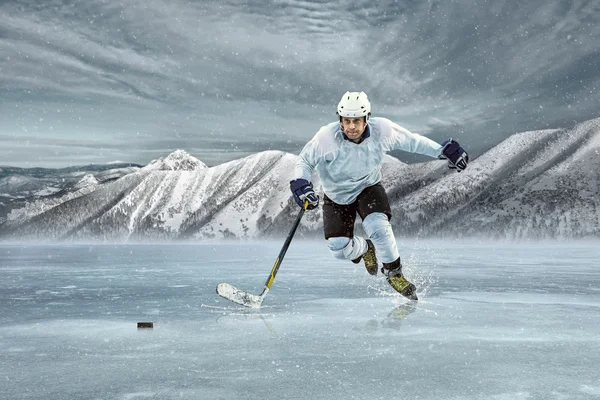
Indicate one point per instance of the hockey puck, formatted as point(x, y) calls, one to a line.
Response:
point(145, 325)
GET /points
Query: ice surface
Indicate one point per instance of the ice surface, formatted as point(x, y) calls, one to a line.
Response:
point(495, 321)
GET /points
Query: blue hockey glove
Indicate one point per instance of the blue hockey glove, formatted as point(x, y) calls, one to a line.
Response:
point(303, 190)
point(456, 155)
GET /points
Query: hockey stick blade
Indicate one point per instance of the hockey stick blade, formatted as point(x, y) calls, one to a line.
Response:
point(251, 300)
point(238, 296)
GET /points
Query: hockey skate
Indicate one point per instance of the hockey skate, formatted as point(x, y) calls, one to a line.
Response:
point(394, 276)
point(369, 258)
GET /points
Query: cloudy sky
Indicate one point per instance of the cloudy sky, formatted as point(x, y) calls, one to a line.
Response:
point(101, 80)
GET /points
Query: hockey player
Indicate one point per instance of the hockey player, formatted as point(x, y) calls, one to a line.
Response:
point(347, 155)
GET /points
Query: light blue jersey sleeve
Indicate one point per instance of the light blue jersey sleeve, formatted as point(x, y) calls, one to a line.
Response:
point(306, 163)
point(322, 144)
point(395, 137)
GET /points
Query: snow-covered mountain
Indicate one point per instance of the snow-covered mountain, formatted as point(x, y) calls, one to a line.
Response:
point(21, 185)
point(541, 184)
point(174, 197)
point(538, 184)
point(179, 160)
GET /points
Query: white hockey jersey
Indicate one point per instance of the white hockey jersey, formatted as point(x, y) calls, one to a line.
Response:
point(346, 168)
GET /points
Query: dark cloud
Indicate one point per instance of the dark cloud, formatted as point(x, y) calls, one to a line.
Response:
point(235, 77)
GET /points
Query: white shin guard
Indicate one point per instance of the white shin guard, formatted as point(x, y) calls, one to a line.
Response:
point(378, 228)
point(345, 248)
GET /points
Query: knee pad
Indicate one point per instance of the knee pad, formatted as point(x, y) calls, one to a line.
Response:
point(345, 248)
point(378, 228)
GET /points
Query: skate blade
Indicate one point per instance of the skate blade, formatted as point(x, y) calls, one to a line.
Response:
point(412, 297)
point(411, 293)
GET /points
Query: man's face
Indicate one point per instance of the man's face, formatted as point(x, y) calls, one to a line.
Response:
point(354, 127)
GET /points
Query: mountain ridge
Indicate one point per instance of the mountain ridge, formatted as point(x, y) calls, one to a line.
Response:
point(538, 184)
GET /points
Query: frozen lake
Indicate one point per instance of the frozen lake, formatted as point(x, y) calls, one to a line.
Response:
point(495, 321)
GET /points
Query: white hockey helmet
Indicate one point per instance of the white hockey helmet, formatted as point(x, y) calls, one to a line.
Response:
point(354, 105)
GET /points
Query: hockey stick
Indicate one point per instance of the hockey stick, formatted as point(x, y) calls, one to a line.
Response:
point(238, 296)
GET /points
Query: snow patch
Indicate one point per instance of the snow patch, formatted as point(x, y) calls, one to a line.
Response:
point(179, 160)
point(47, 191)
point(87, 180)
